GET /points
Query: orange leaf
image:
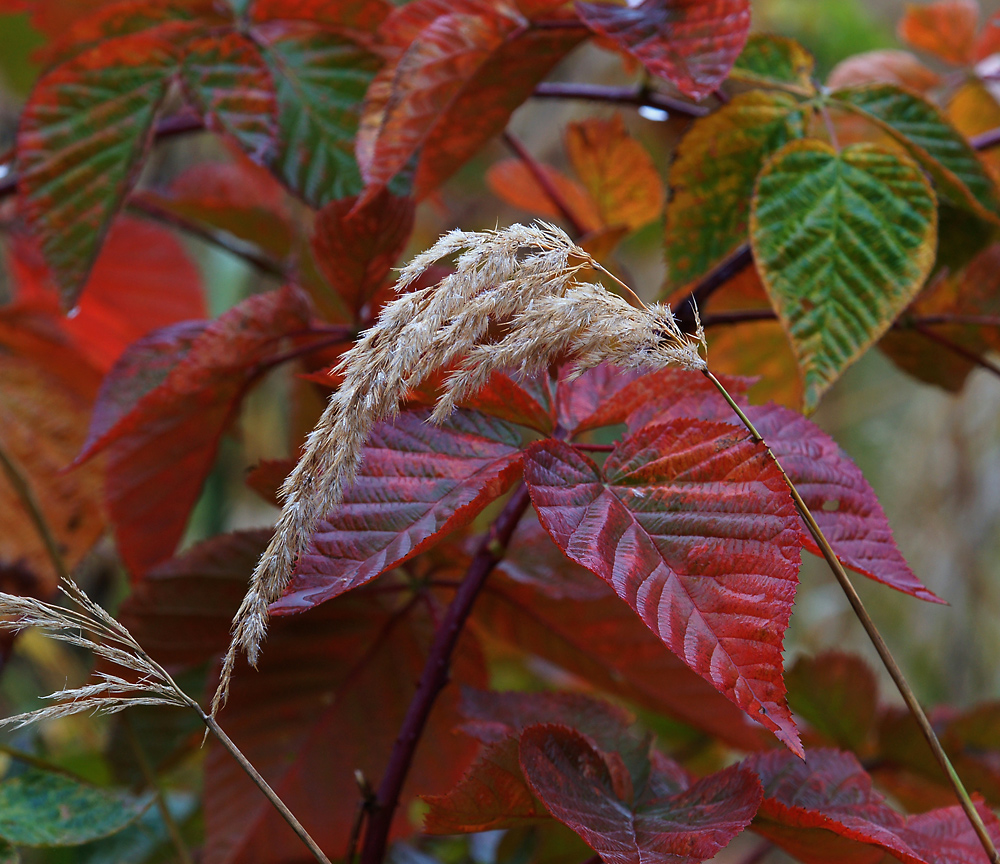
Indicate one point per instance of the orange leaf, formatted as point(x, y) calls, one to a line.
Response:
point(617, 171)
point(946, 29)
point(511, 180)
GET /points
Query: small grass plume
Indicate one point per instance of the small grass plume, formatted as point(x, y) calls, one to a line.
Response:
point(514, 302)
point(89, 626)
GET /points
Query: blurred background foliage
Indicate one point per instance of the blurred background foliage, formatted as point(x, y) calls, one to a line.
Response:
point(932, 457)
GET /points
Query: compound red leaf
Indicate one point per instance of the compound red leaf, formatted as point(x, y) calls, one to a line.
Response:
point(355, 248)
point(577, 783)
point(693, 527)
point(346, 674)
point(692, 43)
point(454, 85)
point(80, 145)
point(946, 29)
point(833, 487)
point(824, 809)
point(161, 445)
point(417, 483)
point(227, 78)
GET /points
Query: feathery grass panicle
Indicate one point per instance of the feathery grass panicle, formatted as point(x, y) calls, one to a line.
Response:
point(521, 281)
point(89, 626)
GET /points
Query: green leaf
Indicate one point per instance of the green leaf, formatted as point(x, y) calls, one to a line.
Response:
point(930, 139)
point(44, 808)
point(843, 242)
point(81, 142)
point(231, 84)
point(713, 175)
point(769, 59)
point(320, 79)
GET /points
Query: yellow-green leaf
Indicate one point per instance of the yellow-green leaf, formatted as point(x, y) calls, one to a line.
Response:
point(843, 242)
point(712, 179)
point(768, 59)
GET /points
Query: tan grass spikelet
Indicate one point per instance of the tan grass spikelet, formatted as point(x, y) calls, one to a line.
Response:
point(523, 282)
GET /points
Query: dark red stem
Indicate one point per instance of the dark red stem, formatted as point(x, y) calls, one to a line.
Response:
point(955, 348)
point(545, 183)
point(641, 97)
point(435, 675)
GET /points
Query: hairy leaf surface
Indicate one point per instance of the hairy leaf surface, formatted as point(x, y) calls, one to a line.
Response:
point(694, 528)
point(843, 242)
point(691, 43)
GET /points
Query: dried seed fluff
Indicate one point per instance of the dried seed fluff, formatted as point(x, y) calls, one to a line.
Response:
point(524, 278)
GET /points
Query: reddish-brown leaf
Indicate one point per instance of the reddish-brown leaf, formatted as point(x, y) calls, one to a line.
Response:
point(417, 483)
point(227, 78)
point(824, 809)
point(837, 694)
point(577, 400)
point(328, 699)
point(357, 18)
point(617, 170)
point(161, 445)
point(664, 824)
point(692, 43)
point(511, 181)
point(355, 248)
point(946, 29)
point(463, 72)
point(883, 67)
point(80, 146)
point(694, 528)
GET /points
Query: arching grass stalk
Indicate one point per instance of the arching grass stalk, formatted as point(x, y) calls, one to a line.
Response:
point(880, 646)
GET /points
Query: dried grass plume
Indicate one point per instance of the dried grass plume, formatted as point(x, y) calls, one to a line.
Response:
point(520, 282)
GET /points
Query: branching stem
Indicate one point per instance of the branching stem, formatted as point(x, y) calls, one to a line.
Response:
point(435, 675)
point(869, 625)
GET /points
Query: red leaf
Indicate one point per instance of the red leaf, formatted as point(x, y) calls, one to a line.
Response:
point(820, 809)
point(355, 248)
point(833, 487)
point(162, 446)
point(88, 120)
point(694, 528)
point(577, 400)
point(837, 694)
point(359, 18)
point(142, 280)
point(692, 43)
point(578, 627)
point(461, 72)
point(418, 482)
point(228, 80)
point(182, 610)
point(328, 699)
point(664, 825)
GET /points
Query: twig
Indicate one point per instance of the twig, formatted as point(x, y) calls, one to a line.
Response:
point(641, 98)
point(869, 625)
point(718, 276)
point(249, 252)
point(149, 775)
point(23, 489)
point(955, 348)
point(985, 140)
point(435, 675)
point(546, 184)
